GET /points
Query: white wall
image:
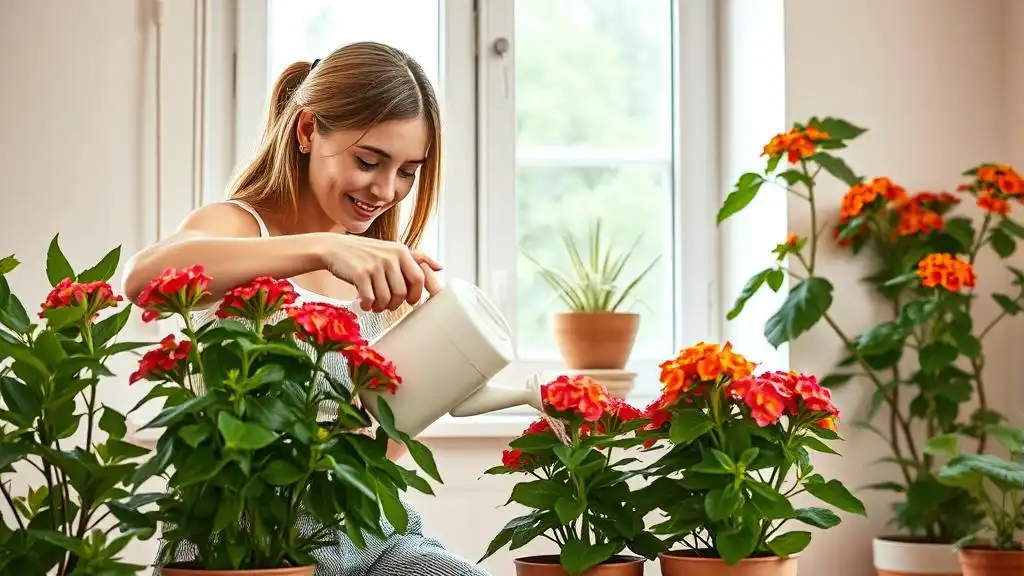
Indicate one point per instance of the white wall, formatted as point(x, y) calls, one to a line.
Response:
point(931, 78)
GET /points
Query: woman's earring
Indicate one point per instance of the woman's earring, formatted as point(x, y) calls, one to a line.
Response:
point(304, 148)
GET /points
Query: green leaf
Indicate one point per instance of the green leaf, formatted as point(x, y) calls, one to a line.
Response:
point(835, 380)
point(739, 543)
point(722, 503)
point(817, 445)
point(21, 399)
point(423, 458)
point(578, 556)
point(354, 479)
point(240, 435)
point(803, 308)
point(104, 270)
point(746, 190)
point(281, 473)
point(836, 167)
point(1011, 438)
point(789, 543)
point(57, 266)
point(839, 129)
point(818, 517)
point(194, 434)
point(967, 471)
point(393, 508)
point(943, 445)
point(688, 425)
point(569, 509)
point(833, 492)
point(751, 288)
point(962, 231)
point(8, 264)
point(881, 338)
point(110, 326)
point(771, 503)
point(775, 279)
point(1006, 303)
point(539, 494)
point(793, 176)
point(936, 356)
point(1003, 244)
point(1012, 227)
point(59, 318)
point(113, 423)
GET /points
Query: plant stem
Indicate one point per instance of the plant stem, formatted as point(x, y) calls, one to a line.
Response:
point(10, 502)
point(978, 365)
point(814, 217)
point(91, 406)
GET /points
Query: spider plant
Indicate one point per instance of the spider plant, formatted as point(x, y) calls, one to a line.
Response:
point(595, 282)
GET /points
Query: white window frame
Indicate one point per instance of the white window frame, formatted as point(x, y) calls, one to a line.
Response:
point(478, 98)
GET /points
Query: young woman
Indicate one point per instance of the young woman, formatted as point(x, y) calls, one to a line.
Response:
point(346, 139)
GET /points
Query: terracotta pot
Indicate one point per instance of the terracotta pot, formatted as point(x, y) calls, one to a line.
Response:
point(596, 340)
point(987, 562)
point(550, 566)
point(685, 564)
point(904, 557)
point(294, 571)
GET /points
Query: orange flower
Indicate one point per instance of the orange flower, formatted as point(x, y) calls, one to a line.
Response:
point(576, 394)
point(989, 202)
point(174, 291)
point(917, 220)
point(700, 364)
point(326, 326)
point(1002, 176)
point(856, 200)
point(369, 369)
point(792, 240)
point(95, 296)
point(828, 423)
point(258, 299)
point(946, 270)
point(161, 363)
point(767, 403)
point(796, 144)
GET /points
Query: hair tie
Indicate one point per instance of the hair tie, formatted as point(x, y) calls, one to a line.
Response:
point(313, 65)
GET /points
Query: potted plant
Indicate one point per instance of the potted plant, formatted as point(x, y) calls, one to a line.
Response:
point(579, 495)
point(594, 333)
point(267, 457)
point(998, 483)
point(739, 449)
point(64, 466)
point(926, 362)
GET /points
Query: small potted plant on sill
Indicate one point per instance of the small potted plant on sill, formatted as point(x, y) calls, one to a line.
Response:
point(65, 469)
point(998, 484)
point(267, 456)
point(594, 334)
point(579, 494)
point(739, 449)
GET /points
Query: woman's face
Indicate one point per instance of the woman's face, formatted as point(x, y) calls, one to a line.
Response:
point(356, 175)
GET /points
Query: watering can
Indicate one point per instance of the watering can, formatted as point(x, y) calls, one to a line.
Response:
point(447, 350)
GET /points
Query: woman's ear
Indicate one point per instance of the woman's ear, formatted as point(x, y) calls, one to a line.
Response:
point(305, 128)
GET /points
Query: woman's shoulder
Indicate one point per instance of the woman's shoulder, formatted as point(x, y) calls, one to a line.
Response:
point(225, 218)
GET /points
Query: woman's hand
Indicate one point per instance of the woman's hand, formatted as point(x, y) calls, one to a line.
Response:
point(386, 274)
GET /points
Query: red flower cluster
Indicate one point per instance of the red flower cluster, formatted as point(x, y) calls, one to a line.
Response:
point(774, 394)
point(371, 370)
point(161, 363)
point(515, 459)
point(326, 326)
point(258, 299)
point(700, 364)
point(94, 295)
point(174, 291)
point(577, 394)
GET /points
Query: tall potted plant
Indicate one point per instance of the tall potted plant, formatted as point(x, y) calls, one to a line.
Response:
point(65, 469)
point(578, 494)
point(594, 333)
point(738, 450)
point(260, 471)
point(998, 483)
point(926, 361)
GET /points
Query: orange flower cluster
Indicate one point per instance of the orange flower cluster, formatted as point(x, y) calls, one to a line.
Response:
point(161, 363)
point(989, 202)
point(796, 144)
point(774, 394)
point(946, 270)
point(699, 364)
point(326, 326)
point(516, 459)
point(576, 394)
point(257, 299)
point(174, 291)
point(864, 195)
point(95, 296)
point(1002, 177)
point(371, 370)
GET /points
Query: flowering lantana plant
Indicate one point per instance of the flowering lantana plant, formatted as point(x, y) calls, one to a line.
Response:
point(259, 438)
point(738, 451)
point(577, 490)
point(65, 468)
point(923, 258)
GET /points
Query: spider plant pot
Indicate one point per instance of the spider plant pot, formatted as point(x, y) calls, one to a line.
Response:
point(291, 571)
point(989, 562)
point(904, 557)
point(596, 340)
point(550, 566)
point(685, 563)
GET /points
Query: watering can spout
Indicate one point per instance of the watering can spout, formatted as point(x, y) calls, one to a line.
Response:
point(492, 398)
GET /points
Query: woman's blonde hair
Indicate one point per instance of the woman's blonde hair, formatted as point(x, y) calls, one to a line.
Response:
point(355, 87)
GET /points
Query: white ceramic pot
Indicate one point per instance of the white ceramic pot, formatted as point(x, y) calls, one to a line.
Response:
point(446, 350)
point(896, 558)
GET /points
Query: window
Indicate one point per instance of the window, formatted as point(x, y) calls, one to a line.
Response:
point(580, 117)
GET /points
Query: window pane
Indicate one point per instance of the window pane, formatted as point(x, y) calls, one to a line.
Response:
point(312, 29)
point(594, 120)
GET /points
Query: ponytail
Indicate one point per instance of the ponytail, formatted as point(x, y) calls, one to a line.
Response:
point(286, 85)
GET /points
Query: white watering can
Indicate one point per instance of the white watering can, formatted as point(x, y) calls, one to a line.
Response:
point(447, 349)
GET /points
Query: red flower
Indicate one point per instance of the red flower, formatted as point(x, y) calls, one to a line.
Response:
point(258, 299)
point(539, 426)
point(514, 460)
point(173, 292)
point(623, 411)
point(326, 326)
point(95, 296)
point(577, 394)
point(161, 363)
point(771, 395)
point(371, 370)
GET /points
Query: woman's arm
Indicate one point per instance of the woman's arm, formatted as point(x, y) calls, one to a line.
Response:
point(225, 240)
